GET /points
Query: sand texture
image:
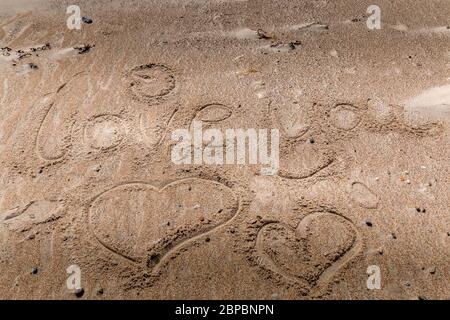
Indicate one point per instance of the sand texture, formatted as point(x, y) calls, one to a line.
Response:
point(86, 176)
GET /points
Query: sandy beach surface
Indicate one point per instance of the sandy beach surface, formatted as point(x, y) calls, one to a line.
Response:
point(87, 182)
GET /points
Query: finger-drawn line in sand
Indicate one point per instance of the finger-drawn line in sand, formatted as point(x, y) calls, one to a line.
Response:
point(305, 161)
point(144, 224)
point(211, 114)
point(154, 129)
point(33, 213)
point(54, 136)
point(214, 112)
point(14, 27)
point(293, 254)
point(150, 83)
point(363, 196)
point(104, 132)
point(54, 146)
point(344, 117)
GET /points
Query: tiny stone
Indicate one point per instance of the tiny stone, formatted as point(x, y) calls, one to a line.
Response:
point(208, 239)
point(87, 20)
point(79, 292)
point(100, 291)
point(407, 284)
point(34, 270)
point(432, 270)
point(311, 140)
point(369, 223)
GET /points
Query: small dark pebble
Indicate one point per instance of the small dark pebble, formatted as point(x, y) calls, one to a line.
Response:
point(208, 239)
point(79, 292)
point(311, 140)
point(87, 20)
point(369, 223)
point(34, 271)
point(422, 298)
point(100, 291)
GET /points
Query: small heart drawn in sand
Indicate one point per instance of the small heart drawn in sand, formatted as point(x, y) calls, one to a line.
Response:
point(311, 253)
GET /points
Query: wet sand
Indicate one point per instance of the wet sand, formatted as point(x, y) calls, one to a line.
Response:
point(86, 176)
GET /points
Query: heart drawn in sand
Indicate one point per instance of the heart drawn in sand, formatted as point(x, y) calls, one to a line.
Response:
point(310, 254)
point(143, 223)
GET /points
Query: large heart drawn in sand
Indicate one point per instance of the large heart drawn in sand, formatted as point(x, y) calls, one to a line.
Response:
point(311, 253)
point(143, 223)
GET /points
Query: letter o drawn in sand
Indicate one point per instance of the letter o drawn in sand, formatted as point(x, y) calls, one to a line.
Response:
point(344, 117)
point(150, 82)
point(104, 132)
